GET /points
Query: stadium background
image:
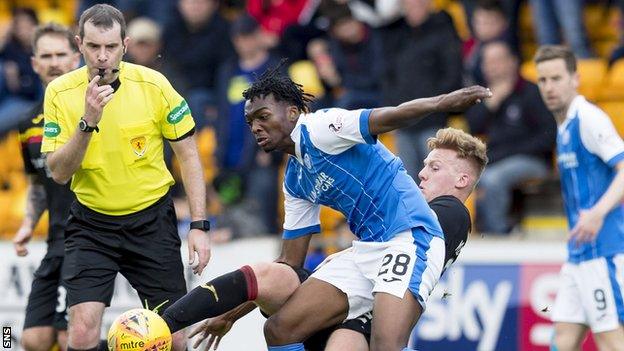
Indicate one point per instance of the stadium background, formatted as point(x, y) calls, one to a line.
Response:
point(496, 298)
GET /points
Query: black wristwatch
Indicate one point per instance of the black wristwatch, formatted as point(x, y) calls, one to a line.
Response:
point(201, 225)
point(83, 126)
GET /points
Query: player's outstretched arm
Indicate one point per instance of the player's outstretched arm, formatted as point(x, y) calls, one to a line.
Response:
point(386, 119)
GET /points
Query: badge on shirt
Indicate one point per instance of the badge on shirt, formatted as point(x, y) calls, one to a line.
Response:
point(51, 130)
point(139, 145)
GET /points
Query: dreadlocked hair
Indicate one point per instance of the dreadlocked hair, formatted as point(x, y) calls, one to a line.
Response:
point(281, 86)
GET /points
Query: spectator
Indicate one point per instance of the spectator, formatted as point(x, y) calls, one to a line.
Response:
point(356, 53)
point(21, 87)
point(618, 53)
point(197, 43)
point(159, 11)
point(520, 132)
point(349, 63)
point(555, 17)
point(145, 49)
point(422, 58)
point(489, 23)
point(276, 15)
point(511, 10)
point(247, 181)
point(375, 13)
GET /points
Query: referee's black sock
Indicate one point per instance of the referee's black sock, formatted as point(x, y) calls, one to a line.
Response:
point(103, 346)
point(69, 348)
point(212, 299)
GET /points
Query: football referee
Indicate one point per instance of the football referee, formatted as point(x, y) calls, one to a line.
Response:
point(104, 128)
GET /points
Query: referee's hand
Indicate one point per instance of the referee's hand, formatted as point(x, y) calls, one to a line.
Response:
point(96, 97)
point(198, 241)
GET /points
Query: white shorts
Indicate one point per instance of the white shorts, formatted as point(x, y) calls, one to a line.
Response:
point(590, 293)
point(404, 262)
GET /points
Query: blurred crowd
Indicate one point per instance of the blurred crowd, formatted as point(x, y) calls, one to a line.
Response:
point(350, 54)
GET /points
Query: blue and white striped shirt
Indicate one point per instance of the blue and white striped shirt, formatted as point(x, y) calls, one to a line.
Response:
point(588, 148)
point(339, 164)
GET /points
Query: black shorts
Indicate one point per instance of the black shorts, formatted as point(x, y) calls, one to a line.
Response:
point(144, 247)
point(362, 325)
point(46, 302)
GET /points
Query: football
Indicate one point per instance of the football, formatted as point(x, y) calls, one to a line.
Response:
point(139, 329)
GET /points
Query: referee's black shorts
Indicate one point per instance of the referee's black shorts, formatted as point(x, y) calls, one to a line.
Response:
point(144, 247)
point(46, 301)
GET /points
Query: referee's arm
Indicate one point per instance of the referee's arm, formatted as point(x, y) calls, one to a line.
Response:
point(186, 152)
point(64, 162)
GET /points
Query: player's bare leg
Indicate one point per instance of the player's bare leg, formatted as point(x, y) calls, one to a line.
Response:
point(38, 338)
point(569, 336)
point(315, 305)
point(178, 341)
point(393, 321)
point(85, 322)
point(61, 339)
point(276, 283)
point(346, 339)
point(612, 340)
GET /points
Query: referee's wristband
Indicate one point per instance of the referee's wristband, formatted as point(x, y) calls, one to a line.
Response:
point(203, 225)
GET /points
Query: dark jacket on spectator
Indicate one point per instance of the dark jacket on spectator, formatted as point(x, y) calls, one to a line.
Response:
point(197, 55)
point(421, 62)
point(30, 85)
point(360, 66)
point(521, 125)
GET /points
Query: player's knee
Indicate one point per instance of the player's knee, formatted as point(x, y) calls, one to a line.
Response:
point(384, 343)
point(276, 282)
point(84, 332)
point(37, 341)
point(277, 331)
point(262, 271)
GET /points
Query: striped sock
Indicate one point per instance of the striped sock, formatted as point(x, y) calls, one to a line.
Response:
point(290, 347)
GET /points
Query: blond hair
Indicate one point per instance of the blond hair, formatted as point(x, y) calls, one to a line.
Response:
point(467, 147)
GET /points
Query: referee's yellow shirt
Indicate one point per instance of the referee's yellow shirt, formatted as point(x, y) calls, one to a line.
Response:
point(123, 170)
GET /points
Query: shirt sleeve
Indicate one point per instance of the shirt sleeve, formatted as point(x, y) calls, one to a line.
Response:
point(29, 168)
point(55, 128)
point(176, 116)
point(301, 217)
point(600, 137)
point(335, 130)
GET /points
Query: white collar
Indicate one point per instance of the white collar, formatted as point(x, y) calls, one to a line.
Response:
point(574, 106)
point(295, 135)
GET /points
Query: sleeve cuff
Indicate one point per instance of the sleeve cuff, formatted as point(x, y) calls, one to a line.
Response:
point(186, 135)
point(295, 233)
point(364, 116)
point(616, 159)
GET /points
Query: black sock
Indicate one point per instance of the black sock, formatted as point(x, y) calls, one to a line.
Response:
point(212, 299)
point(69, 348)
point(103, 346)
